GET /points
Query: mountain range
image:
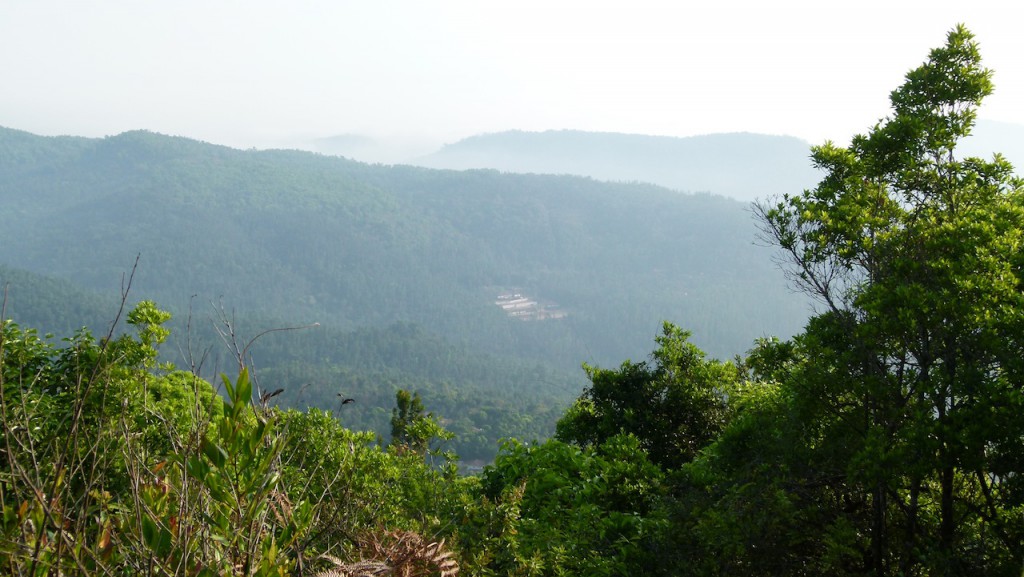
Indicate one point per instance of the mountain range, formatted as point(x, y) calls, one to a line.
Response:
point(484, 290)
point(743, 166)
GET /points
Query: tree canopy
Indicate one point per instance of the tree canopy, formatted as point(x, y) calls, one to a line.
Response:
point(915, 255)
point(675, 406)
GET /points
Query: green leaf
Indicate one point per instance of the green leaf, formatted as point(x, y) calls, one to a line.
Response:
point(243, 392)
point(214, 453)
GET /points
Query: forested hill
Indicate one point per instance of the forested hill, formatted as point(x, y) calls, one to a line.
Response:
point(312, 238)
point(293, 238)
point(54, 305)
point(743, 166)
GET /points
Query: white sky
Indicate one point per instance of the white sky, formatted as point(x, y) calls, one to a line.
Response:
point(261, 73)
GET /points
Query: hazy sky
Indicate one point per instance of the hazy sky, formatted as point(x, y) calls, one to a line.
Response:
point(260, 73)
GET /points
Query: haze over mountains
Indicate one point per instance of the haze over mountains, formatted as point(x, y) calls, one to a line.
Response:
point(410, 271)
point(743, 166)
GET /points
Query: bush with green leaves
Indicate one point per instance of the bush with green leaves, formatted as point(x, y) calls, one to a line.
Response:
point(558, 509)
point(360, 487)
point(69, 439)
point(110, 466)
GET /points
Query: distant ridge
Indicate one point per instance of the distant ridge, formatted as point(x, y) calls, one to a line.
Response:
point(299, 236)
point(402, 267)
point(743, 166)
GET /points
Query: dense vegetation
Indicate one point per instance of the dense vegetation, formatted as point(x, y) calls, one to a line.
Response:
point(400, 266)
point(303, 238)
point(487, 397)
point(884, 439)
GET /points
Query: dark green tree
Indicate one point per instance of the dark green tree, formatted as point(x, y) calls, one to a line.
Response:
point(407, 412)
point(417, 431)
point(559, 509)
point(675, 405)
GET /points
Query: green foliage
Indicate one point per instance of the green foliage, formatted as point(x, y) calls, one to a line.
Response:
point(171, 478)
point(556, 509)
point(179, 405)
point(360, 488)
point(408, 412)
point(751, 504)
point(108, 467)
point(222, 509)
point(483, 398)
point(412, 429)
point(915, 253)
point(69, 444)
point(675, 407)
point(149, 321)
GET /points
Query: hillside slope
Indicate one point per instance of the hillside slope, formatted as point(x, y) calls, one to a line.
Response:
point(309, 238)
point(284, 238)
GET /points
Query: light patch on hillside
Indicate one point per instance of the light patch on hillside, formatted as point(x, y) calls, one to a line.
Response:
point(519, 306)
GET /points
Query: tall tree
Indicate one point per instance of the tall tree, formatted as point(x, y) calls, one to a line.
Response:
point(414, 430)
point(407, 412)
point(915, 254)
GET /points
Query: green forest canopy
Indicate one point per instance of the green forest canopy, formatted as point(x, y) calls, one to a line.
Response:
point(402, 268)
